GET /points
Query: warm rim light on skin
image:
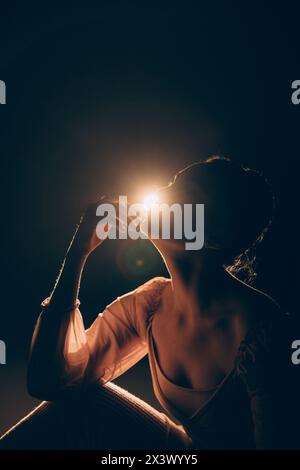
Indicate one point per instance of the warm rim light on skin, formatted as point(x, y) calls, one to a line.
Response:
point(151, 200)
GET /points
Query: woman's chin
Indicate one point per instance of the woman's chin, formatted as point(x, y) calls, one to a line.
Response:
point(169, 247)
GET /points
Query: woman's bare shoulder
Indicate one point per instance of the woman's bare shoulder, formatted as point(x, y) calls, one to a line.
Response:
point(259, 305)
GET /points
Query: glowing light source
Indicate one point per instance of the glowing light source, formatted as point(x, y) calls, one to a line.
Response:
point(151, 200)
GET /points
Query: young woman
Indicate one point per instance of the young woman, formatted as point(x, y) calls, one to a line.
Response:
point(219, 350)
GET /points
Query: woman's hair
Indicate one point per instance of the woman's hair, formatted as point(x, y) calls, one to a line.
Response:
point(239, 207)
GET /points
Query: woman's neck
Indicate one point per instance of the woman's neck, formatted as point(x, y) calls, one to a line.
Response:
point(195, 283)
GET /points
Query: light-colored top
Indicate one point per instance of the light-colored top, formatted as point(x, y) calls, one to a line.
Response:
point(187, 401)
point(119, 337)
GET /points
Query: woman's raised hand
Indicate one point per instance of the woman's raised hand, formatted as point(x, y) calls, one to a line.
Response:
point(85, 239)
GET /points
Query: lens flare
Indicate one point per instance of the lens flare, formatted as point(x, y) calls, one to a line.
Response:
point(151, 200)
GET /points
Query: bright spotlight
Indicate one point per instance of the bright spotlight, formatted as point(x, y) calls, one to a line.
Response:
point(151, 200)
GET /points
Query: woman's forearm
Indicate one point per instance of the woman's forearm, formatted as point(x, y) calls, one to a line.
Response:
point(46, 364)
point(47, 369)
point(66, 289)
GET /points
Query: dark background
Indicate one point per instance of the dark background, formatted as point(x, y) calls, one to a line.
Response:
point(119, 96)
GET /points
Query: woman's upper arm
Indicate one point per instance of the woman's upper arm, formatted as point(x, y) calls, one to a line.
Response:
point(117, 338)
point(114, 342)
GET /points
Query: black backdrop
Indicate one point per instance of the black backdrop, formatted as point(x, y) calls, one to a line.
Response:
point(118, 96)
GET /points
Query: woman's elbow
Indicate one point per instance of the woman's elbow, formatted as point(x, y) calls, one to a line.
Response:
point(42, 387)
point(49, 387)
point(40, 390)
